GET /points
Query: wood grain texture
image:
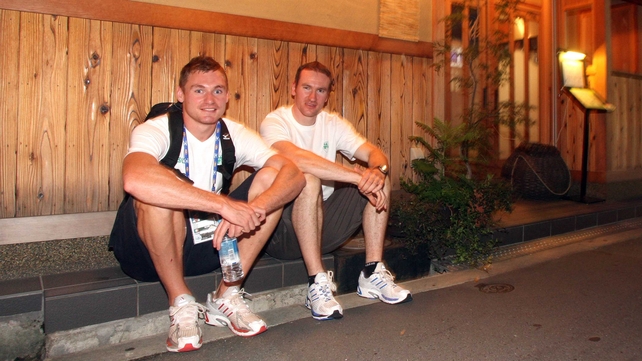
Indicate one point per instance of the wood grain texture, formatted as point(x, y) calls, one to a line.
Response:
point(9, 81)
point(378, 101)
point(399, 19)
point(211, 22)
point(28, 167)
point(87, 156)
point(131, 85)
point(401, 118)
point(273, 88)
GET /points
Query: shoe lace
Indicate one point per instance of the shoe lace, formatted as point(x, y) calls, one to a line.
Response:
point(387, 276)
point(237, 300)
point(188, 314)
point(327, 287)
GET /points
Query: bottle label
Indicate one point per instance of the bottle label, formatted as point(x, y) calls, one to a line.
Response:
point(229, 252)
point(203, 225)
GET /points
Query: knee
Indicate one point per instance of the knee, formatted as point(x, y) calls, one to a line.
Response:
point(262, 180)
point(150, 217)
point(387, 187)
point(312, 186)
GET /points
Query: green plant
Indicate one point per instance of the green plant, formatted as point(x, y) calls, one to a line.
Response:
point(452, 203)
point(451, 215)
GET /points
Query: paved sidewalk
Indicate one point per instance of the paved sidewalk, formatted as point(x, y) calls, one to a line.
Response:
point(581, 301)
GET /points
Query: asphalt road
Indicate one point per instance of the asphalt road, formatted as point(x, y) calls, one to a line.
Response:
point(582, 306)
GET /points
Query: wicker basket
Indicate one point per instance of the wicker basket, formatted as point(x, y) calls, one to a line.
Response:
point(537, 171)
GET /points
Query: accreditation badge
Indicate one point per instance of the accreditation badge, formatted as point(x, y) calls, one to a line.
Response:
point(203, 225)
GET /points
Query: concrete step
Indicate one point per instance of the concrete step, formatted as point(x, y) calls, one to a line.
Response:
point(135, 338)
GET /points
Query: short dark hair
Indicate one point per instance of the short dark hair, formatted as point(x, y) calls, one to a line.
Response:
point(314, 66)
point(203, 64)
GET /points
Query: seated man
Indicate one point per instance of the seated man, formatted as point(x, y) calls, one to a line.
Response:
point(154, 237)
point(322, 218)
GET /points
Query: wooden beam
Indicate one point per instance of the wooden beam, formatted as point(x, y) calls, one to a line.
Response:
point(48, 228)
point(189, 19)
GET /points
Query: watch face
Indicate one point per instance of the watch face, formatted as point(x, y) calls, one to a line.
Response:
point(383, 169)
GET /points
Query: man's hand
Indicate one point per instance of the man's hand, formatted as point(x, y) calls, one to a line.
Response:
point(238, 218)
point(371, 185)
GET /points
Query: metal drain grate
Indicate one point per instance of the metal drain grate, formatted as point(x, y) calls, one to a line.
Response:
point(495, 287)
point(525, 248)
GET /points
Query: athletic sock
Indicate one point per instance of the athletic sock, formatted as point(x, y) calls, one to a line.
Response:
point(369, 269)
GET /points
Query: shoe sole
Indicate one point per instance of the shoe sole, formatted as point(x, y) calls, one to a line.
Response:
point(334, 316)
point(374, 295)
point(186, 348)
point(222, 321)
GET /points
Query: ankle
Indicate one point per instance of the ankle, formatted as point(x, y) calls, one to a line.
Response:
point(369, 269)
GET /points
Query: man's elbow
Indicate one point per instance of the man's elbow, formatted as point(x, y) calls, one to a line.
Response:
point(130, 183)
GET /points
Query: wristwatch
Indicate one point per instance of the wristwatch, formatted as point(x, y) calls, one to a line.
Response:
point(383, 169)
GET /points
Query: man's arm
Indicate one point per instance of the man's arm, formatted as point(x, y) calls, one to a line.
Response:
point(152, 183)
point(319, 167)
point(286, 186)
point(369, 181)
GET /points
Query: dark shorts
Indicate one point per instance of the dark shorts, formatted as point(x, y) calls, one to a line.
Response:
point(342, 217)
point(134, 259)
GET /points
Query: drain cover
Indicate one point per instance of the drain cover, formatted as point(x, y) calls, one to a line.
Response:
point(495, 287)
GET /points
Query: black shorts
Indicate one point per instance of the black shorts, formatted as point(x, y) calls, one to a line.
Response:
point(134, 258)
point(342, 217)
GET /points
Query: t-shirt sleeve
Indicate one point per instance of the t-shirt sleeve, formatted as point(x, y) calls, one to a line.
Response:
point(150, 137)
point(348, 139)
point(250, 149)
point(273, 129)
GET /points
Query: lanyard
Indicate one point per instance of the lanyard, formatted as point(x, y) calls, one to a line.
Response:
point(216, 144)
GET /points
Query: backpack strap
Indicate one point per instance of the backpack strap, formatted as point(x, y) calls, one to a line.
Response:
point(229, 157)
point(175, 115)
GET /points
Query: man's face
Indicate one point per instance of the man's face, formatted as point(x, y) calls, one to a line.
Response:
point(310, 96)
point(204, 97)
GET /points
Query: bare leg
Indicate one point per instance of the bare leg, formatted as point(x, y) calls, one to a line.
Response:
point(251, 245)
point(154, 226)
point(307, 220)
point(374, 227)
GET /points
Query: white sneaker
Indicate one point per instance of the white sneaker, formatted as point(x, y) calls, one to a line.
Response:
point(381, 285)
point(184, 332)
point(231, 310)
point(320, 299)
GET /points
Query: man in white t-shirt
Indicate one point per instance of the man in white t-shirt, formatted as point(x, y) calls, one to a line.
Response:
point(324, 216)
point(154, 236)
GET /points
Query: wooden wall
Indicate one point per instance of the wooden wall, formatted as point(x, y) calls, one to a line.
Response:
point(623, 127)
point(74, 88)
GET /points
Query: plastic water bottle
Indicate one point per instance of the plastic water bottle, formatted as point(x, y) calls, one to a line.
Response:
point(230, 260)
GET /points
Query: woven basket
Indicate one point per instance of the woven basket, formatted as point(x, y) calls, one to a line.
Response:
point(537, 171)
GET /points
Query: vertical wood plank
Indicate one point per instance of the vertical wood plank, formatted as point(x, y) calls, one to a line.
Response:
point(355, 69)
point(130, 98)
point(378, 114)
point(401, 113)
point(171, 53)
point(420, 102)
point(273, 89)
point(9, 85)
point(207, 44)
point(40, 157)
point(241, 68)
point(53, 115)
point(30, 92)
point(298, 54)
point(87, 172)
point(332, 57)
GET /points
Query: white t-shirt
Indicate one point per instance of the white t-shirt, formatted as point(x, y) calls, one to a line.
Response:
point(152, 137)
point(328, 135)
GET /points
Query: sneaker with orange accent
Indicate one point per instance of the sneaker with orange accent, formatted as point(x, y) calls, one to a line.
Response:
point(231, 310)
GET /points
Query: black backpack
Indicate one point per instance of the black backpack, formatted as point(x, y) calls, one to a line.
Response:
point(175, 115)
